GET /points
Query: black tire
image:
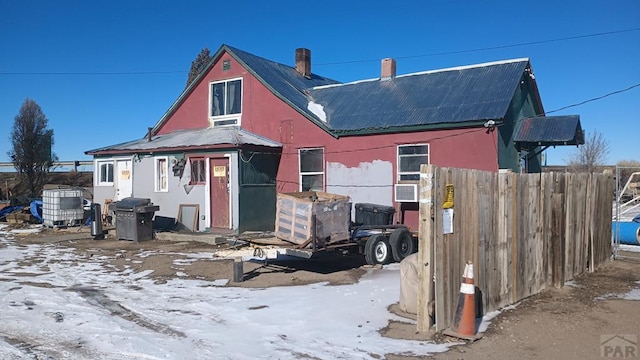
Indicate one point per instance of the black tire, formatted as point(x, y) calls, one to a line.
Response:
point(402, 244)
point(377, 250)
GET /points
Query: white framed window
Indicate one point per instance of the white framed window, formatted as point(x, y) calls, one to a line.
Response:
point(410, 157)
point(198, 175)
point(161, 174)
point(311, 169)
point(104, 170)
point(225, 102)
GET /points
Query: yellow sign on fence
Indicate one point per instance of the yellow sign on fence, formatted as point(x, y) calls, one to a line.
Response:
point(448, 197)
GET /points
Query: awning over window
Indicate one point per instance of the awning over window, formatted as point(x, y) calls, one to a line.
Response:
point(548, 131)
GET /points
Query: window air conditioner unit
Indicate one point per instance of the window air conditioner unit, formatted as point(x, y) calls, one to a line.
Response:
point(406, 192)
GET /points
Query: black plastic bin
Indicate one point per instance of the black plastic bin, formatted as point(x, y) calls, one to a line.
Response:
point(374, 214)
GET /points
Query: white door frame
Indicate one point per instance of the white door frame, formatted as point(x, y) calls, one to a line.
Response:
point(123, 175)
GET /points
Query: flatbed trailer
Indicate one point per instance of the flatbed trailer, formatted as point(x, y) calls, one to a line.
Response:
point(380, 244)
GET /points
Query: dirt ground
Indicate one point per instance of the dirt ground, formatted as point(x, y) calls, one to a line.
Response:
point(566, 323)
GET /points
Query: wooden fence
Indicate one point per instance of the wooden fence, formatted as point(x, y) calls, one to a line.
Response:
point(522, 232)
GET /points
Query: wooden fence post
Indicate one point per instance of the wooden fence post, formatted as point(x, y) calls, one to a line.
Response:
point(425, 252)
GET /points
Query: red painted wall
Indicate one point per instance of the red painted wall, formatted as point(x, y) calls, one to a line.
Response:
point(265, 114)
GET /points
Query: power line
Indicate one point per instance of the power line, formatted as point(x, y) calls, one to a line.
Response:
point(583, 102)
point(108, 73)
point(595, 98)
point(95, 73)
point(490, 47)
point(476, 129)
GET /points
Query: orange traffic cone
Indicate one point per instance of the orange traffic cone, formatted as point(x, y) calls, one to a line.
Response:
point(464, 321)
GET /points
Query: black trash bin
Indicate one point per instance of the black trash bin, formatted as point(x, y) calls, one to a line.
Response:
point(374, 214)
point(96, 222)
point(134, 219)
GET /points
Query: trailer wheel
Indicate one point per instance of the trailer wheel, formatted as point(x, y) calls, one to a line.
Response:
point(402, 244)
point(377, 250)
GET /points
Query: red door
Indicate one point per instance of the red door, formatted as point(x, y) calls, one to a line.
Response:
point(219, 168)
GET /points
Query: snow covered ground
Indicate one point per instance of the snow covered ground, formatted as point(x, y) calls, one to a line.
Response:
point(59, 305)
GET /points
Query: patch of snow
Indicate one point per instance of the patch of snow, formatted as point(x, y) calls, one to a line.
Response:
point(572, 284)
point(634, 294)
point(456, 68)
point(629, 248)
point(317, 110)
point(81, 308)
point(344, 84)
point(465, 67)
point(486, 319)
point(25, 231)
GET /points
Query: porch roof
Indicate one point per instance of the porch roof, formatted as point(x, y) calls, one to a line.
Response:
point(196, 139)
point(548, 131)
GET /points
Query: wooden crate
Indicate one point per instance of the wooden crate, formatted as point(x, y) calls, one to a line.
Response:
point(294, 218)
point(20, 217)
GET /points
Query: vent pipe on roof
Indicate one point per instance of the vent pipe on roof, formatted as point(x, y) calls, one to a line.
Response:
point(149, 133)
point(388, 70)
point(303, 62)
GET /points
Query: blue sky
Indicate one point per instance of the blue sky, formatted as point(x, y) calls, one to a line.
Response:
point(105, 71)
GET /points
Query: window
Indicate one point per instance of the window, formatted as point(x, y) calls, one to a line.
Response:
point(410, 157)
point(105, 172)
point(226, 102)
point(197, 171)
point(162, 174)
point(311, 169)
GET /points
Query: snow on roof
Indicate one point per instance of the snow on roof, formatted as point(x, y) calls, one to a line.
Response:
point(317, 110)
point(456, 68)
point(466, 67)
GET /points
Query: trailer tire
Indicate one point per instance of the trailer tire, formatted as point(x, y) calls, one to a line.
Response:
point(377, 250)
point(402, 244)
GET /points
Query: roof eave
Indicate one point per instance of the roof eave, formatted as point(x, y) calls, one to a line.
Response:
point(415, 128)
point(187, 91)
point(536, 93)
point(167, 149)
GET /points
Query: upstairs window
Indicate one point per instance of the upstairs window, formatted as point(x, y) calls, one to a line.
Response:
point(105, 172)
point(311, 169)
point(198, 175)
point(410, 157)
point(226, 102)
point(162, 174)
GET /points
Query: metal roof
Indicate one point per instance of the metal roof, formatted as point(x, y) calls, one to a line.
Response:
point(451, 96)
point(283, 80)
point(548, 131)
point(198, 138)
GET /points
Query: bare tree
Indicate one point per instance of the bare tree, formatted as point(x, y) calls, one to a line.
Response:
point(198, 65)
point(32, 142)
point(591, 155)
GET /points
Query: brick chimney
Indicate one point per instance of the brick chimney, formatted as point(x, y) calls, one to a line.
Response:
point(303, 62)
point(388, 70)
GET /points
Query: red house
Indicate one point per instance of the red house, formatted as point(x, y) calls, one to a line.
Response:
point(248, 128)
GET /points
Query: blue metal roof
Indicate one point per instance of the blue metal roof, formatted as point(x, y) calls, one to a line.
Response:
point(455, 96)
point(450, 96)
point(549, 130)
point(442, 98)
point(283, 80)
